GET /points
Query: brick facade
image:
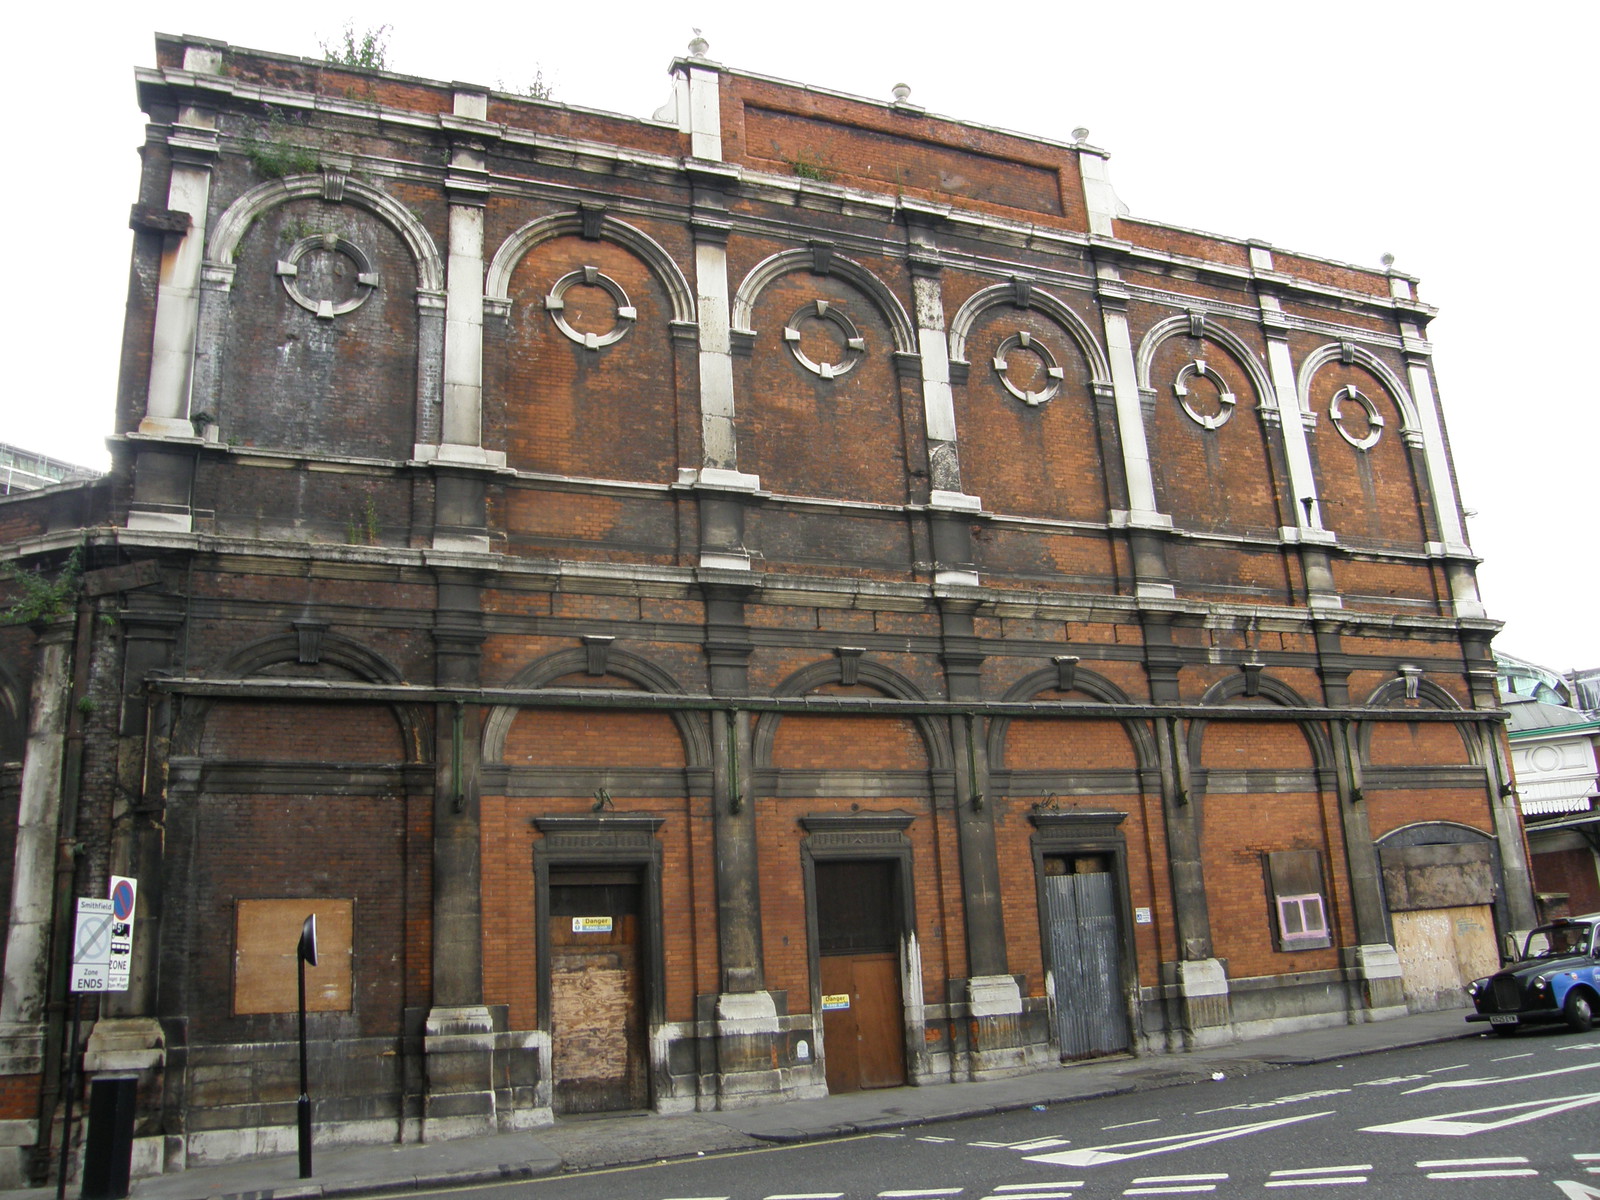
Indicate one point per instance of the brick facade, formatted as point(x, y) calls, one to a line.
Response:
point(528, 522)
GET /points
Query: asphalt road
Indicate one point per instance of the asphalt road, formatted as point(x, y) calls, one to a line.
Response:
point(1486, 1117)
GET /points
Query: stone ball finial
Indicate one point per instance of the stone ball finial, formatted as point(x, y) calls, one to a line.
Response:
point(902, 92)
point(698, 45)
point(1080, 134)
point(1387, 260)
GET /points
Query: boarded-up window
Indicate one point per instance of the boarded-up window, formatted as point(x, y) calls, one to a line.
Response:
point(266, 938)
point(1300, 908)
point(1444, 875)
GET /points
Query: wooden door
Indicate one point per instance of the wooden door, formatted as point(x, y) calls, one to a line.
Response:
point(863, 1010)
point(597, 1009)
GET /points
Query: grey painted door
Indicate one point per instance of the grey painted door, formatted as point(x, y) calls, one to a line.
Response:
point(1086, 964)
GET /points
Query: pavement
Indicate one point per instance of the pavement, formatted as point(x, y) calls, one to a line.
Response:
point(577, 1144)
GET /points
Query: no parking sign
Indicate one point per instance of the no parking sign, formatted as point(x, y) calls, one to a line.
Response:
point(123, 893)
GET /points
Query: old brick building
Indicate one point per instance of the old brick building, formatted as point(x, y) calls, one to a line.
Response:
point(794, 593)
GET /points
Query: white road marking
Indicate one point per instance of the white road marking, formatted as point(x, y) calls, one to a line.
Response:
point(1573, 1190)
point(1505, 1174)
point(1250, 1106)
point(1319, 1170)
point(935, 1139)
point(1451, 1124)
point(1131, 1124)
point(805, 1196)
point(1040, 1144)
point(909, 1195)
point(1390, 1081)
point(1122, 1151)
point(1427, 1163)
point(1442, 1070)
point(1586, 1157)
point(1466, 1083)
point(1029, 1187)
point(1170, 1190)
point(1218, 1178)
point(1509, 1057)
point(1031, 1195)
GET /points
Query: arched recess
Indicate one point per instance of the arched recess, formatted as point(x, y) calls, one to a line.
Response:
point(1226, 694)
point(786, 262)
point(874, 675)
point(1236, 347)
point(215, 377)
point(334, 650)
point(1095, 688)
point(1009, 294)
point(1349, 352)
point(692, 728)
point(497, 279)
point(1392, 694)
point(232, 225)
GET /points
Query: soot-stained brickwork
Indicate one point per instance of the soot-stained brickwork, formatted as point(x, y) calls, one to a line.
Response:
point(793, 594)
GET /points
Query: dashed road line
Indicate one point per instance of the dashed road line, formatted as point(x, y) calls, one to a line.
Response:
point(913, 1193)
point(806, 1196)
point(1319, 1176)
point(1131, 1124)
point(1030, 1187)
point(1171, 1185)
point(931, 1138)
point(1476, 1168)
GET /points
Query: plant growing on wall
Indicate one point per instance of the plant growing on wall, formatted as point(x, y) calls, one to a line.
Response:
point(41, 598)
point(369, 50)
point(274, 155)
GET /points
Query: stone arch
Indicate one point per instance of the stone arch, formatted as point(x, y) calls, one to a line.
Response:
point(1360, 355)
point(786, 262)
point(541, 673)
point(236, 221)
point(875, 675)
point(1095, 687)
point(335, 649)
point(497, 279)
point(1009, 294)
point(1391, 693)
point(1236, 347)
point(1224, 694)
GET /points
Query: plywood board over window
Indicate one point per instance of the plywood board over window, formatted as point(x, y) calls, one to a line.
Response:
point(266, 938)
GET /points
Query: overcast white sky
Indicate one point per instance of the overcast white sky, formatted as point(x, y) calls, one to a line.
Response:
point(1452, 135)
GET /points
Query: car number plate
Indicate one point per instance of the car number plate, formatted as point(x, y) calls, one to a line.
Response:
point(1507, 1019)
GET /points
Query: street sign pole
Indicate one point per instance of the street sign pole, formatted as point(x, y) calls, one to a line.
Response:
point(72, 1088)
point(307, 953)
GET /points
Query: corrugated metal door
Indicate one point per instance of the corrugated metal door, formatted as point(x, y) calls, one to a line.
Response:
point(1086, 964)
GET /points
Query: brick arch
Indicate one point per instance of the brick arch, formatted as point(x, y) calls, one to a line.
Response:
point(335, 651)
point(1392, 694)
point(497, 278)
point(880, 678)
point(691, 727)
point(1375, 366)
point(1012, 295)
point(1211, 331)
point(1094, 688)
point(786, 262)
point(1228, 692)
point(243, 212)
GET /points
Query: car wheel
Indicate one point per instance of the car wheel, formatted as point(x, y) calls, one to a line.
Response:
point(1579, 1010)
point(1504, 1030)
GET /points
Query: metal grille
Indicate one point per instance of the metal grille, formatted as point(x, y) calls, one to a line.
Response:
point(1507, 995)
point(1086, 964)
